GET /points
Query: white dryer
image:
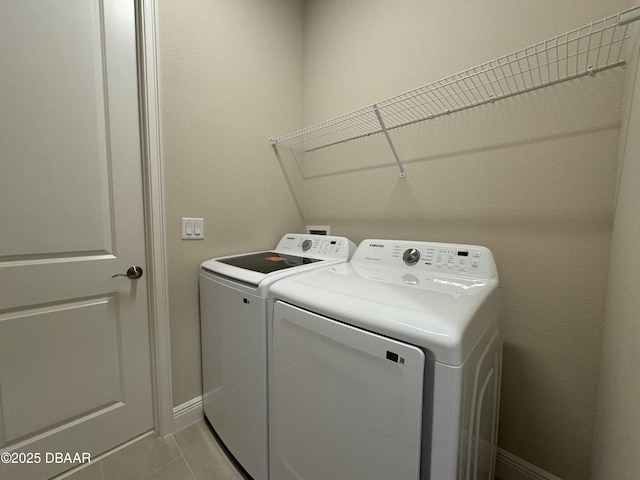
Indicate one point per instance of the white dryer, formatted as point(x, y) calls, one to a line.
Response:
point(387, 366)
point(233, 320)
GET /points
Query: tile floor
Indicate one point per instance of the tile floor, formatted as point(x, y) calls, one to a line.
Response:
point(192, 453)
point(189, 454)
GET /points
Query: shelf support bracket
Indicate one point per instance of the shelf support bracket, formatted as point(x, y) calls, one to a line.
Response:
point(386, 134)
point(292, 189)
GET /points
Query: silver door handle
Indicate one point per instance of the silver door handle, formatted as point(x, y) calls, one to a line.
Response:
point(133, 273)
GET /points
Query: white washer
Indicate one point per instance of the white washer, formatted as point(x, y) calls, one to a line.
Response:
point(233, 319)
point(387, 366)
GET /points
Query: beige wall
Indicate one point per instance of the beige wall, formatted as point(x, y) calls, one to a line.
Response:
point(532, 177)
point(230, 74)
point(617, 440)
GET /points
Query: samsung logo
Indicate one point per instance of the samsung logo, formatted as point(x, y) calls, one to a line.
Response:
point(376, 245)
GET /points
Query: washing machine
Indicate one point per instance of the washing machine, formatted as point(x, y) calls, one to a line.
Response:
point(387, 366)
point(233, 318)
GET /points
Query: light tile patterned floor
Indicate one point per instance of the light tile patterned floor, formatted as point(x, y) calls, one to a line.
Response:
point(189, 454)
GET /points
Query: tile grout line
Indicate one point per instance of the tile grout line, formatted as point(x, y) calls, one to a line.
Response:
point(183, 457)
point(148, 475)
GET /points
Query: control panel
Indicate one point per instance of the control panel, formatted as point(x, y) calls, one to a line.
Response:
point(316, 246)
point(449, 259)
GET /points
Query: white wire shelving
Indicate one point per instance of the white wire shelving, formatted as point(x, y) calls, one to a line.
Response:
point(580, 52)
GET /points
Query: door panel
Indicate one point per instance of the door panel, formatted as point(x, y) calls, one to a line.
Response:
point(76, 388)
point(53, 123)
point(74, 342)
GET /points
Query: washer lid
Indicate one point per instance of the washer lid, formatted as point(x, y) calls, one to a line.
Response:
point(446, 314)
point(267, 262)
point(260, 269)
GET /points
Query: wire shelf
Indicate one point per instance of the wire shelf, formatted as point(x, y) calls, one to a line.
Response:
point(580, 52)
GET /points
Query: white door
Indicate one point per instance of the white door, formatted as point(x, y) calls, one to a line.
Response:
point(74, 342)
point(344, 403)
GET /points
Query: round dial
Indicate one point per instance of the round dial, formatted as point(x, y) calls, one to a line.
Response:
point(306, 245)
point(411, 256)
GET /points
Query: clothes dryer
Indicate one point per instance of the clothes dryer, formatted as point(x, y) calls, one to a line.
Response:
point(233, 318)
point(387, 366)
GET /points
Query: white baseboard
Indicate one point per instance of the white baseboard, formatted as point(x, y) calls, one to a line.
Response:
point(510, 467)
point(187, 413)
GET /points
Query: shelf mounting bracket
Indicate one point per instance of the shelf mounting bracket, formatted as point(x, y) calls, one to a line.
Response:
point(386, 134)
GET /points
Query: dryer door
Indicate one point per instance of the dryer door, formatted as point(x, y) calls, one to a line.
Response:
point(344, 403)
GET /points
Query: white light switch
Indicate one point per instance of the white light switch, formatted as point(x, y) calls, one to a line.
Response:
point(192, 228)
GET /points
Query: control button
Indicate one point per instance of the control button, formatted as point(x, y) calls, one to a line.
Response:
point(475, 264)
point(476, 254)
point(410, 279)
point(306, 245)
point(411, 256)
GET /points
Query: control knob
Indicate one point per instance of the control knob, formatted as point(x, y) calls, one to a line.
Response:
point(411, 256)
point(306, 245)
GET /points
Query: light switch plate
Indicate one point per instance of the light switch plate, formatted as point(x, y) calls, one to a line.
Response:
point(192, 228)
